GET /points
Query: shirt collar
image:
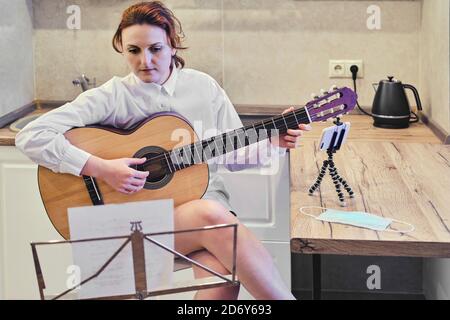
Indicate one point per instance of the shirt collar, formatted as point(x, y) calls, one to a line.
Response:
point(168, 86)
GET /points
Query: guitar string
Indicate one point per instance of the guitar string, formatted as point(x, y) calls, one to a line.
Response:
point(184, 165)
point(226, 135)
point(171, 165)
point(221, 138)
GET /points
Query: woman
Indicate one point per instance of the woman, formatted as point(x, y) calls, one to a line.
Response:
point(149, 37)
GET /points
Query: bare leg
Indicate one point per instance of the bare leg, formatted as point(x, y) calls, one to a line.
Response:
point(221, 293)
point(255, 267)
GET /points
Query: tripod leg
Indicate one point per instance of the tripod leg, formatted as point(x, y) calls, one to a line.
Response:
point(345, 185)
point(337, 184)
point(322, 173)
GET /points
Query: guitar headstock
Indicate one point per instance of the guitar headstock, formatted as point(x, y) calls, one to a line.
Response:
point(331, 104)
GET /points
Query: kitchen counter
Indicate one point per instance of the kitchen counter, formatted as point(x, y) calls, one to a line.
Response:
point(7, 136)
point(402, 174)
point(405, 181)
point(361, 126)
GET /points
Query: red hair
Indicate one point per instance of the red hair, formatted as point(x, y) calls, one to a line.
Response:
point(153, 13)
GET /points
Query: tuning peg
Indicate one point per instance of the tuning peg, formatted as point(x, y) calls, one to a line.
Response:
point(323, 92)
point(314, 96)
point(333, 87)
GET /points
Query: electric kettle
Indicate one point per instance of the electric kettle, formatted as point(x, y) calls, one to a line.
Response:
point(391, 107)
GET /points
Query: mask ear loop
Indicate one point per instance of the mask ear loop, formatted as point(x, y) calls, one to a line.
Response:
point(311, 207)
point(399, 231)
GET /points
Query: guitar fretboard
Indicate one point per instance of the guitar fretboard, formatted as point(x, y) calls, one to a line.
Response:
point(202, 151)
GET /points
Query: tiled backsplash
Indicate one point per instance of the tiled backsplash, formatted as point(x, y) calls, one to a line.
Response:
point(262, 52)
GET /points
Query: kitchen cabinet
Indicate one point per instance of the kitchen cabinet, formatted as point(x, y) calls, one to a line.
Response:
point(23, 220)
point(261, 201)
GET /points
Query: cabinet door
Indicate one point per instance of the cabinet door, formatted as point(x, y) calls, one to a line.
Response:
point(261, 200)
point(23, 220)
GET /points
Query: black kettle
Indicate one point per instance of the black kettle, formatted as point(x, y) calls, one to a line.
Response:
point(391, 107)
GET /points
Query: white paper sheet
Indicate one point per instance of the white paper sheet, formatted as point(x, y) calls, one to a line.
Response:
point(114, 220)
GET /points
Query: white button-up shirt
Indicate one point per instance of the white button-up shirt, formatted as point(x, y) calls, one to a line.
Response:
point(124, 102)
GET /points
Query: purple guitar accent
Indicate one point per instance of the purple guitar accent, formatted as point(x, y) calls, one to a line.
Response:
point(341, 102)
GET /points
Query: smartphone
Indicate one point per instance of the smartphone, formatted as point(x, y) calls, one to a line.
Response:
point(334, 137)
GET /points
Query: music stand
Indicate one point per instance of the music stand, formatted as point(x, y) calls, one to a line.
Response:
point(136, 239)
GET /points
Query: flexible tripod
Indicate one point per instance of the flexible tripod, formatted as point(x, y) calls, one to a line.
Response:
point(337, 179)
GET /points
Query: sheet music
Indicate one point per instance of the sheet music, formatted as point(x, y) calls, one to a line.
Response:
point(114, 220)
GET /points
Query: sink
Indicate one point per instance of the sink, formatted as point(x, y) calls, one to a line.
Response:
point(22, 122)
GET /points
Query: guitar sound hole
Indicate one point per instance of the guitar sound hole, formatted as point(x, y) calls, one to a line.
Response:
point(156, 164)
point(158, 170)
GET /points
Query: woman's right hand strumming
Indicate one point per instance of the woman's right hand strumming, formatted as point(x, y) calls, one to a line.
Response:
point(117, 173)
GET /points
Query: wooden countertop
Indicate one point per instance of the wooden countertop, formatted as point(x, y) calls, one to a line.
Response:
point(400, 174)
point(7, 136)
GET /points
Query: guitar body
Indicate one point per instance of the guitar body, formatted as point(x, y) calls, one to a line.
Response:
point(154, 136)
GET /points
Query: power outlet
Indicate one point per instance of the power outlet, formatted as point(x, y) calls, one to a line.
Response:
point(341, 68)
point(337, 69)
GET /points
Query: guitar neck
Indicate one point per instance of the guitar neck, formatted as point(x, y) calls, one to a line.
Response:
point(217, 146)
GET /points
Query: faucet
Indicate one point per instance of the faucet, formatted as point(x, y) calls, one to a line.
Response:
point(84, 82)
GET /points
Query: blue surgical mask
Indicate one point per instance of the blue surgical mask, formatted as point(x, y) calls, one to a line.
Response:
point(357, 219)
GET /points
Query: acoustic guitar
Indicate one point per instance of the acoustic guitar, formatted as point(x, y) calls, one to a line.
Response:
point(178, 170)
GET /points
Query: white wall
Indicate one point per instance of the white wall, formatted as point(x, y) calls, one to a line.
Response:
point(435, 18)
point(16, 53)
point(434, 61)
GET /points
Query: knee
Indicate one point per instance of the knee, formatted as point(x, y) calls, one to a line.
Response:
point(213, 213)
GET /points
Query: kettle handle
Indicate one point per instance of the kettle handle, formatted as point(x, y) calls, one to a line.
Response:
point(416, 95)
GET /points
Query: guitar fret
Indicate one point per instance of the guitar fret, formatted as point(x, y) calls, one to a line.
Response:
point(256, 132)
point(232, 143)
point(285, 123)
point(296, 120)
point(180, 157)
point(239, 140)
point(212, 155)
point(200, 157)
point(217, 147)
point(174, 155)
point(168, 163)
point(183, 157)
point(275, 126)
point(224, 144)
